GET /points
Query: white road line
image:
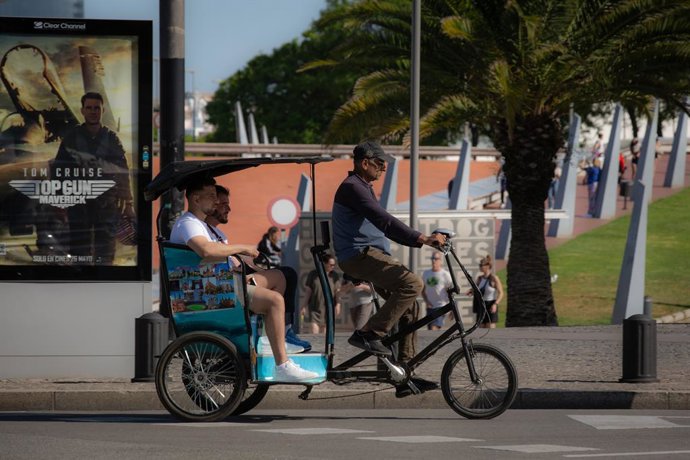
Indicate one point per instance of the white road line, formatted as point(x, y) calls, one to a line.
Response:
point(537, 448)
point(309, 431)
point(421, 439)
point(205, 424)
point(625, 422)
point(631, 454)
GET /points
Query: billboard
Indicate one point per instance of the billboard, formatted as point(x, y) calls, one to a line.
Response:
point(75, 137)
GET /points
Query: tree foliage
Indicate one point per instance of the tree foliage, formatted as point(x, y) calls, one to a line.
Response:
point(514, 67)
point(296, 107)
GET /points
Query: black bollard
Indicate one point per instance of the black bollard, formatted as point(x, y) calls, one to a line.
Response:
point(639, 350)
point(150, 339)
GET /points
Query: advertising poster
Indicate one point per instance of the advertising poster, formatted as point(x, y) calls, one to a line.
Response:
point(75, 137)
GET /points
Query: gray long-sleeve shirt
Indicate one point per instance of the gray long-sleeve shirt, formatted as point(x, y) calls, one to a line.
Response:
point(360, 221)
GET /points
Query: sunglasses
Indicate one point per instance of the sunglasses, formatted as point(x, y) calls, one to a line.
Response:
point(380, 164)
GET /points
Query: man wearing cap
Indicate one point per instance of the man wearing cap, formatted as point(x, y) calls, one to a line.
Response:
point(361, 232)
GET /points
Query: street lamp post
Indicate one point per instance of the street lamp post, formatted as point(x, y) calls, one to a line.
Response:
point(414, 119)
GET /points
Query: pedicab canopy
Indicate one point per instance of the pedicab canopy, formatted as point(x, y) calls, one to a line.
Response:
point(179, 173)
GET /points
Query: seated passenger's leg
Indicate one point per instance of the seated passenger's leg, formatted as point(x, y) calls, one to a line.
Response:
point(271, 279)
point(271, 304)
point(290, 276)
point(290, 296)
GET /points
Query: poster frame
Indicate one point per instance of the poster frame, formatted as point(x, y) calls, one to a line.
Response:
point(141, 164)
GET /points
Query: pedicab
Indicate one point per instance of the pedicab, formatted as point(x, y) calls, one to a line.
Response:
point(214, 368)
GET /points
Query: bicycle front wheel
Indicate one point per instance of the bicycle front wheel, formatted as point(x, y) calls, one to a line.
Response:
point(493, 390)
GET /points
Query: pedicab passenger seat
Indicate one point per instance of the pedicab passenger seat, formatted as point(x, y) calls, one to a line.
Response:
point(204, 296)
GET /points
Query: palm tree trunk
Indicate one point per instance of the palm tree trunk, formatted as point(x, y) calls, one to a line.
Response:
point(529, 152)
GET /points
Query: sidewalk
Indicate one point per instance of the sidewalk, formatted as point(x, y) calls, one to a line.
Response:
point(564, 367)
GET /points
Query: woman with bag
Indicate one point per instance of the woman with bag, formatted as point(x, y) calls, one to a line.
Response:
point(492, 292)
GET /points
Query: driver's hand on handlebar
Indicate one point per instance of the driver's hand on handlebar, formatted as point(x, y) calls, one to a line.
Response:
point(435, 240)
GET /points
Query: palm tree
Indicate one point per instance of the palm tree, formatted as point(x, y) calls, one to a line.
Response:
point(514, 67)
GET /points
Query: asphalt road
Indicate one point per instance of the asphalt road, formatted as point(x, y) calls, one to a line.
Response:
point(349, 434)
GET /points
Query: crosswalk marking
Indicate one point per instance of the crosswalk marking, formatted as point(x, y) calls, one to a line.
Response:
point(420, 439)
point(625, 422)
point(537, 448)
point(308, 431)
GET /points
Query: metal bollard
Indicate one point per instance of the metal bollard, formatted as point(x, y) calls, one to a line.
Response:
point(150, 339)
point(647, 307)
point(639, 350)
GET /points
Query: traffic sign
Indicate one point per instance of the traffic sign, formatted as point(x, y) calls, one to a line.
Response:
point(284, 212)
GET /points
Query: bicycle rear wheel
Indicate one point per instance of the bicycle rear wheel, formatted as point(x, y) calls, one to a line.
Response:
point(253, 395)
point(491, 394)
point(200, 377)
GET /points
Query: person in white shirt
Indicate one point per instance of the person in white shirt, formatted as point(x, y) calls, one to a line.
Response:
point(192, 230)
point(437, 280)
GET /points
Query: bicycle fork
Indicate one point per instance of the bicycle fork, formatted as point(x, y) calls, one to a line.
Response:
point(469, 352)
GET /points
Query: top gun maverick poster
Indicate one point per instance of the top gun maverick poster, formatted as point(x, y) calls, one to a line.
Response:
point(75, 137)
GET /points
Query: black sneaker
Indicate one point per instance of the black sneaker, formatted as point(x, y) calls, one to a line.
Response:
point(404, 390)
point(370, 342)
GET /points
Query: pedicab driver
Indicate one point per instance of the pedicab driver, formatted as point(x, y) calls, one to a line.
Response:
point(361, 232)
point(190, 229)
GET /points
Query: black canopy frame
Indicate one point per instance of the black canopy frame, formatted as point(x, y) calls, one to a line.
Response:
point(180, 173)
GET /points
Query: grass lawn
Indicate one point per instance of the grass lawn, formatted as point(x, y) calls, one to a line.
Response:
point(589, 265)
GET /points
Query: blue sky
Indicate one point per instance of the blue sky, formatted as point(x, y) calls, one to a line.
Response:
point(221, 36)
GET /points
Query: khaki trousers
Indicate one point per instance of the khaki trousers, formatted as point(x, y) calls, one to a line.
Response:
point(395, 283)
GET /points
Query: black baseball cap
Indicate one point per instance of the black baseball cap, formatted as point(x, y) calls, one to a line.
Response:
point(370, 149)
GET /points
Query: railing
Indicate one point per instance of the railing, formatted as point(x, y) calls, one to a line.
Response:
point(233, 149)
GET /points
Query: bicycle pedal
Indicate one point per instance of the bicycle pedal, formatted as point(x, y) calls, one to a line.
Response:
point(414, 388)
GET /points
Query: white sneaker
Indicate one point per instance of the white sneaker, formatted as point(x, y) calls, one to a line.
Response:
point(264, 347)
point(291, 372)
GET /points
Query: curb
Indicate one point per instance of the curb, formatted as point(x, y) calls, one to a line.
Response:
point(675, 317)
point(137, 400)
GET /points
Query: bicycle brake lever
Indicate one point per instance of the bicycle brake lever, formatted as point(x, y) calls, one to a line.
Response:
point(445, 247)
point(445, 232)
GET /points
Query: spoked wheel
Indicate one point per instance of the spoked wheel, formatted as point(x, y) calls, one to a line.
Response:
point(253, 395)
point(200, 377)
point(491, 394)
